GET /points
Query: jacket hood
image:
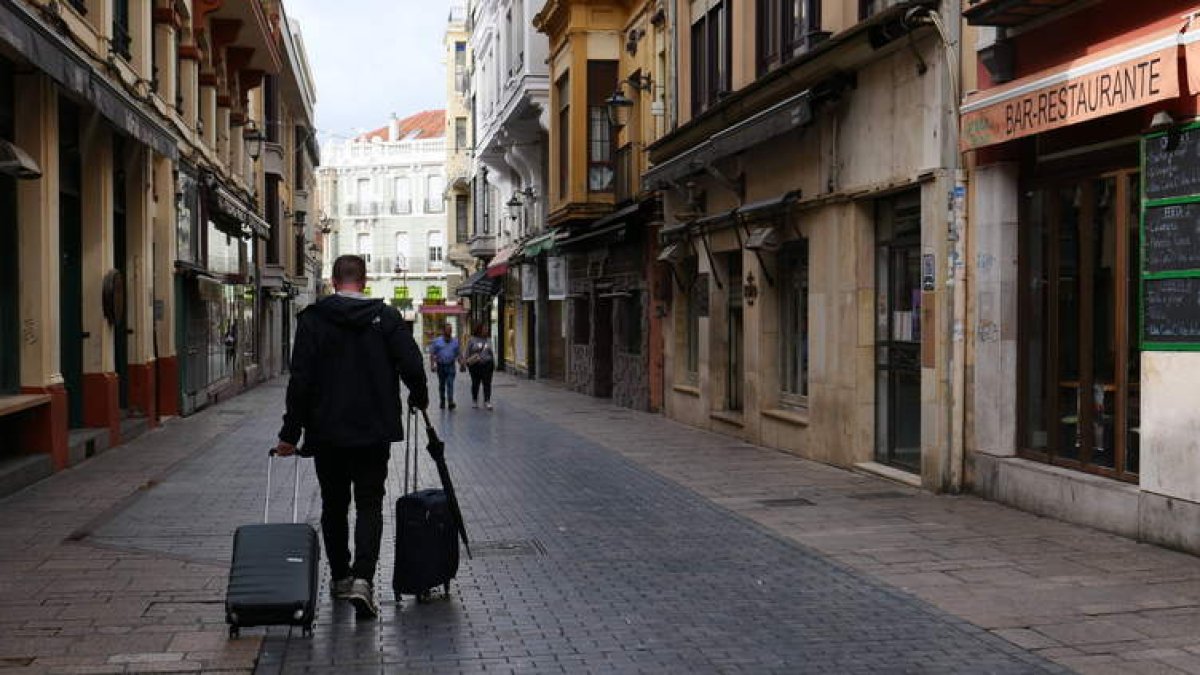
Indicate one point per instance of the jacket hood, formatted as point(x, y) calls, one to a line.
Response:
point(346, 311)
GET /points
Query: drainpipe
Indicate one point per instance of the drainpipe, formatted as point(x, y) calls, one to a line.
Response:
point(949, 28)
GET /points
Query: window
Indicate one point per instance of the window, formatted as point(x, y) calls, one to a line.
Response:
point(435, 194)
point(402, 196)
point(784, 29)
point(564, 137)
point(793, 322)
point(1079, 360)
point(602, 81)
point(460, 133)
point(437, 244)
point(460, 67)
point(363, 246)
point(271, 203)
point(271, 107)
point(402, 250)
point(121, 40)
point(711, 54)
point(461, 207)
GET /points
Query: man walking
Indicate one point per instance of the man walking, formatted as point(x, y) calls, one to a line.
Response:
point(344, 394)
point(444, 354)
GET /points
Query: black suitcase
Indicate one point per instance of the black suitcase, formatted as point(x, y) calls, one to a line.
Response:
point(428, 525)
point(273, 577)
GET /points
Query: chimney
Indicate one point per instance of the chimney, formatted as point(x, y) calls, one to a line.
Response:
point(394, 128)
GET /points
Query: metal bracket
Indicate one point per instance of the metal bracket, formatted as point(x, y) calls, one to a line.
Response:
point(712, 263)
point(735, 185)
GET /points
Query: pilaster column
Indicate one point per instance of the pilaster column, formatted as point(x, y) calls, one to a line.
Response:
point(100, 386)
point(139, 282)
point(37, 206)
point(222, 146)
point(141, 32)
point(164, 56)
point(208, 109)
point(165, 253)
point(189, 84)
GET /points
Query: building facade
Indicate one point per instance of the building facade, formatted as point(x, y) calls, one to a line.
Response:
point(1084, 264)
point(385, 198)
point(135, 210)
point(611, 91)
point(808, 235)
point(459, 215)
point(509, 95)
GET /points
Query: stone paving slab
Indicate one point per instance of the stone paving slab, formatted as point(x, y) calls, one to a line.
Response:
point(721, 557)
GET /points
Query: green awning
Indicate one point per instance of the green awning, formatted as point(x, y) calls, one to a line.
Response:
point(543, 243)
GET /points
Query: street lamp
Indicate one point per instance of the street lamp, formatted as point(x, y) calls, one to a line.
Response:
point(514, 206)
point(619, 104)
point(254, 139)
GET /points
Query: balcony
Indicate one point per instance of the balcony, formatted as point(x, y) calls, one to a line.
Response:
point(1010, 13)
point(435, 205)
point(482, 246)
point(362, 209)
point(398, 264)
point(400, 207)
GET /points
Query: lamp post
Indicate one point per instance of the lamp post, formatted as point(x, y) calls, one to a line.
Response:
point(254, 140)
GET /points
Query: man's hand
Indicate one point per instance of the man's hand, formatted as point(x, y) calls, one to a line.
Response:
point(285, 449)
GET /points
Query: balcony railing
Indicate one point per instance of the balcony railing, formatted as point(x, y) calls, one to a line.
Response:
point(402, 264)
point(400, 206)
point(362, 209)
point(435, 205)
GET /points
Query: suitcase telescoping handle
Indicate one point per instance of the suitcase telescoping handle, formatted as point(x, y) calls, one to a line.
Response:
point(295, 488)
point(411, 450)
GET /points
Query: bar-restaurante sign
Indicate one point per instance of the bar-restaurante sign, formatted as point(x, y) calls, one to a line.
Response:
point(1079, 92)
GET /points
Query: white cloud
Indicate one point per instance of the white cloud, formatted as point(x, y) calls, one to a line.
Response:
point(372, 58)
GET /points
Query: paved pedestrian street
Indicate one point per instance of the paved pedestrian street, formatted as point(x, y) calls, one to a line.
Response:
point(604, 540)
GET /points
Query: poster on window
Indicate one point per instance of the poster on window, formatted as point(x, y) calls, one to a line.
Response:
point(529, 282)
point(556, 277)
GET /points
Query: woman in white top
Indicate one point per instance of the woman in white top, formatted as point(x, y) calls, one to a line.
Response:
point(481, 362)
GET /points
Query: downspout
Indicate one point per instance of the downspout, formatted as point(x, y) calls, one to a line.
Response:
point(950, 33)
point(673, 43)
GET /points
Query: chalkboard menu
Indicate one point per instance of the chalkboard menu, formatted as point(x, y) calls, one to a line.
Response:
point(1172, 238)
point(1170, 299)
point(1172, 164)
point(1171, 313)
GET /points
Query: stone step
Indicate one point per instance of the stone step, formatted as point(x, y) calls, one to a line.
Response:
point(85, 443)
point(23, 470)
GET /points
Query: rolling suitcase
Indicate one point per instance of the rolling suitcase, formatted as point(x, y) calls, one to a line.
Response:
point(428, 525)
point(273, 577)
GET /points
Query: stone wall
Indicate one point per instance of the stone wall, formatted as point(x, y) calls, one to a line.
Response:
point(579, 372)
point(631, 384)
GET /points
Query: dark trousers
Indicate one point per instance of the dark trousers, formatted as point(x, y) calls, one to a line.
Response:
point(365, 471)
point(445, 373)
point(481, 373)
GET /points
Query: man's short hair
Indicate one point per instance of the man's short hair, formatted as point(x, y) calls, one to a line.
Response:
point(350, 269)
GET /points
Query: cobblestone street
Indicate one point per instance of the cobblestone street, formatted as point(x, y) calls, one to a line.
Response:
point(604, 540)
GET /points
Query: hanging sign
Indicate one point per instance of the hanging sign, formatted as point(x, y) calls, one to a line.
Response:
point(529, 282)
point(556, 277)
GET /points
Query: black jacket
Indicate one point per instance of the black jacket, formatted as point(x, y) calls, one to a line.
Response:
point(347, 362)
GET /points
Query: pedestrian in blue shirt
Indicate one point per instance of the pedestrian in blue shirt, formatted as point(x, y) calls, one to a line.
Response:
point(444, 354)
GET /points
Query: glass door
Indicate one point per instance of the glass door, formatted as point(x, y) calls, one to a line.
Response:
point(898, 333)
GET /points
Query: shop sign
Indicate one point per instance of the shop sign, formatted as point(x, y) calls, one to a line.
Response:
point(1110, 83)
point(529, 285)
point(556, 277)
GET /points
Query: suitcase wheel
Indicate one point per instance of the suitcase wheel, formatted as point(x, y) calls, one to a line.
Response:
point(446, 589)
point(234, 632)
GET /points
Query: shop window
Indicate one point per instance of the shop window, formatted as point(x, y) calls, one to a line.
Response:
point(711, 53)
point(10, 279)
point(582, 321)
point(1079, 355)
point(793, 323)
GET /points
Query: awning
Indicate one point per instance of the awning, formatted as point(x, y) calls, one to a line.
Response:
point(767, 208)
point(1111, 81)
point(442, 309)
point(540, 244)
point(29, 37)
point(498, 267)
point(1009, 13)
point(231, 207)
point(673, 252)
point(480, 284)
point(715, 221)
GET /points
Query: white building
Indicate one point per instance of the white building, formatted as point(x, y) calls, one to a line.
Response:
point(383, 193)
point(509, 96)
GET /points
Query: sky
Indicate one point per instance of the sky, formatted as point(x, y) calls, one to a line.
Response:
point(372, 58)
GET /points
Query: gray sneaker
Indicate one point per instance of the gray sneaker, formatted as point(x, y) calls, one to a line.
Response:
point(362, 596)
point(341, 588)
